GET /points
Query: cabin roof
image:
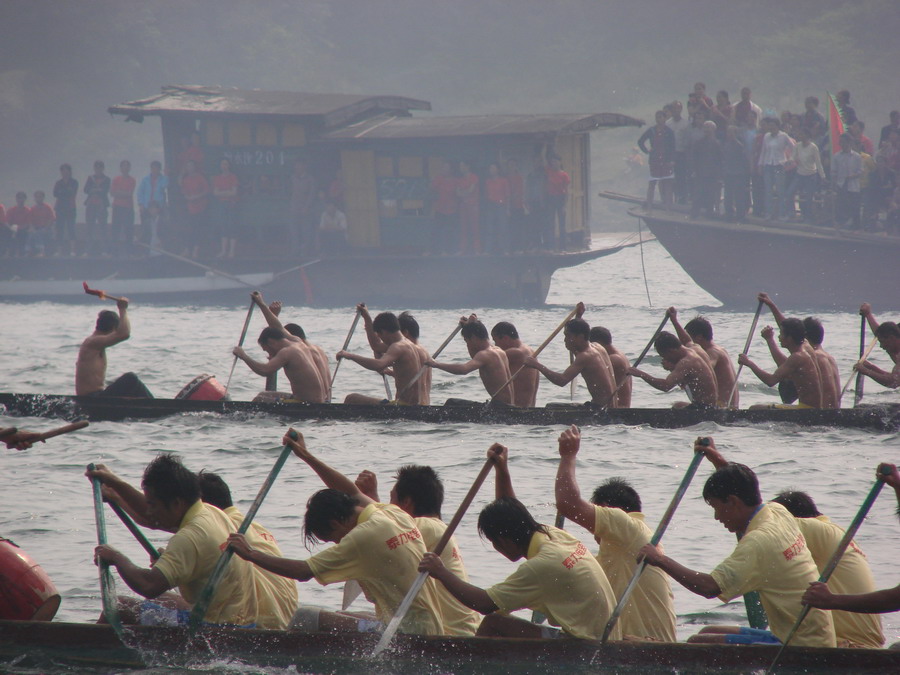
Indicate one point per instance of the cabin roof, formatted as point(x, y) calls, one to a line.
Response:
point(386, 127)
point(333, 110)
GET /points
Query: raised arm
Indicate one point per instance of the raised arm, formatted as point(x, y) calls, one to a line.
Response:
point(707, 446)
point(332, 478)
point(120, 334)
point(568, 495)
point(685, 339)
point(132, 499)
point(378, 345)
point(503, 486)
point(270, 313)
point(768, 334)
point(768, 302)
point(866, 311)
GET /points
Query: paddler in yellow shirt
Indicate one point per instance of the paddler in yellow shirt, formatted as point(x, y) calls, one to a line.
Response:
point(771, 558)
point(559, 577)
point(614, 518)
point(377, 545)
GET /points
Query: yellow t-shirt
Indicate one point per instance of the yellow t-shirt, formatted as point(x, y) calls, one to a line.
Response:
point(851, 576)
point(561, 579)
point(650, 611)
point(458, 619)
point(382, 552)
point(190, 557)
point(276, 595)
point(772, 558)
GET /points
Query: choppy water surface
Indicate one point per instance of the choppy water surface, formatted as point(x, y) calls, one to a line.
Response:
point(45, 503)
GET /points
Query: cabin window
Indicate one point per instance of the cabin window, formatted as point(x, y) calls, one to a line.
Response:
point(240, 133)
point(266, 134)
point(293, 135)
point(214, 132)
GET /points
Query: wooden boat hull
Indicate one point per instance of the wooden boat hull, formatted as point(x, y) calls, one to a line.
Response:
point(876, 418)
point(94, 645)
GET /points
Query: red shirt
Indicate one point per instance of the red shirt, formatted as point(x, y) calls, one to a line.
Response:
point(2, 215)
point(226, 182)
point(193, 185)
point(42, 215)
point(123, 184)
point(18, 215)
point(470, 180)
point(516, 190)
point(497, 190)
point(445, 188)
point(557, 182)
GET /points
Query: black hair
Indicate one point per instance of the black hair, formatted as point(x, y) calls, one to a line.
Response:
point(269, 333)
point(423, 486)
point(508, 517)
point(295, 330)
point(474, 329)
point(601, 335)
point(323, 507)
point(214, 490)
point(733, 479)
point(800, 504)
point(701, 326)
point(814, 330)
point(107, 321)
point(168, 479)
point(887, 329)
point(408, 323)
point(617, 493)
point(504, 329)
point(579, 327)
point(793, 328)
point(665, 341)
point(387, 322)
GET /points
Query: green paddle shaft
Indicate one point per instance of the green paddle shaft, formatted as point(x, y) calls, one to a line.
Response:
point(746, 349)
point(107, 582)
point(346, 344)
point(135, 530)
point(860, 378)
point(241, 341)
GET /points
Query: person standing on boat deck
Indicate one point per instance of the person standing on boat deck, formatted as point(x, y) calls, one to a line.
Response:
point(615, 520)
point(744, 107)
point(708, 169)
point(689, 370)
point(172, 502)
point(445, 211)
point(420, 493)
point(558, 182)
point(377, 545)
point(888, 334)
point(846, 170)
point(302, 210)
point(404, 357)
point(620, 365)
point(875, 602)
point(736, 175)
point(517, 217)
point(680, 127)
point(771, 557)
point(775, 152)
point(225, 186)
point(152, 196)
point(851, 576)
point(661, 160)
point(559, 578)
point(496, 220)
point(506, 337)
point(590, 360)
point(467, 191)
point(90, 368)
point(195, 189)
point(800, 367)
point(298, 363)
point(698, 332)
point(489, 360)
point(65, 191)
point(536, 204)
point(96, 211)
point(808, 175)
point(122, 191)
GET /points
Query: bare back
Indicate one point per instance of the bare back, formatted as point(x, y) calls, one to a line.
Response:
point(801, 368)
point(725, 375)
point(526, 381)
point(300, 367)
point(408, 358)
point(620, 366)
point(597, 371)
point(694, 372)
point(495, 373)
point(90, 368)
point(422, 387)
point(320, 358)
point(829, 377)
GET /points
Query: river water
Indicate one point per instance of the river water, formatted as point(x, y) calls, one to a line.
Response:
point(46, 503)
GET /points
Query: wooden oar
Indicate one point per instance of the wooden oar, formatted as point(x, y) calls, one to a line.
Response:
point(208, 592)
point(433, 356)
point(538, 350)
point(207, 268)
point(344, 348)
point(858, 363)
point(574, 381)
point(100, 294)
point(655, 539)
point(413, 591)
point(107, 582)
point(240, 342)
point(387, 387)
point(59, 431)
point(559, 523)
point(833, 562)
point(860, 378)
point(8, 431)
point(746, 350)
point(640, 358)
point(135, 530)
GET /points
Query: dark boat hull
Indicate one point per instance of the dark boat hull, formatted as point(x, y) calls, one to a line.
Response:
point(877, 418)
point(93, 645)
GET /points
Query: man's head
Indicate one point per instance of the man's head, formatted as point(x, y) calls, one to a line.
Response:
point(811, 103)
point(107, 321)
point(66, 170)
point(792, 333)
point(800, 504)
point(330, 514)
point(577, 334)
point(170, 489)
point(668, 346)
point(418, 491)
point(888, 334)
point(846, 142)
point(476, 336)
point(125, 167)
point(617, 493)
point(408, 325)
point(386, 323)
point(699, 327)
point(155, 167)
point(295, 330)
point(214, 490)
point(814, 331)
point(843, 96)
point(39, 197)
point(99, 166)
point(504, 334)
point(733, 493)
point(20, 198)
point(508, 525)
point(272, 340)
point(745, 94)
point(601, 336)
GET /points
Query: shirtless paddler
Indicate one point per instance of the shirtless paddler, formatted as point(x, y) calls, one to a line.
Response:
point(296, 358)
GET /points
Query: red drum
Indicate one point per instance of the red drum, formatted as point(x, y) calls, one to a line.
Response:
point(26, 592)
point(204, 388)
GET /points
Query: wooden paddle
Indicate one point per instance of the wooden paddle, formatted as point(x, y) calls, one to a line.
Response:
point(746, 350)
point(539, 349)
point(387, 386)
point(433, 356)
point(856, 366)
point(241, 342)
point(860, 378)
point(344, 348)
point(40, 438)
point(107, 582)
point(413, 591)
point(574, 381)
point(640, 358)
point(135, 530)
point(207, 268)
point(655, 539)
point(833, 562)
point(208, 592)
point(100, 294)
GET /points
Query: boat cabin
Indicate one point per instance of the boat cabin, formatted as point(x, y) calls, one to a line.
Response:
point(369, 154)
